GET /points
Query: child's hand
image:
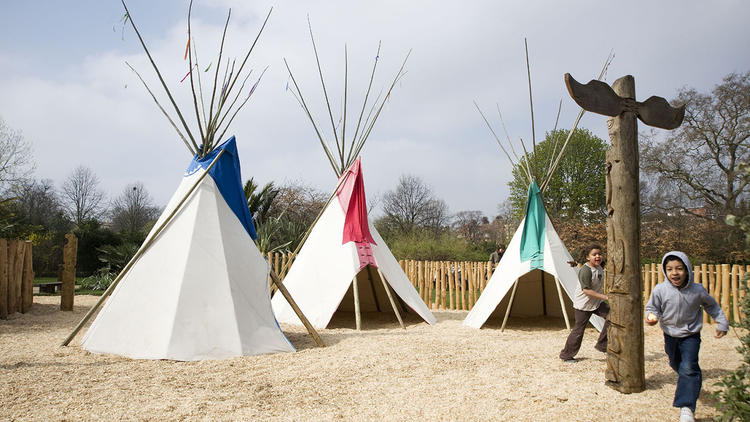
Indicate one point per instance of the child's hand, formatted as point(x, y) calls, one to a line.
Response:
point(651, 319)
point(720, 334)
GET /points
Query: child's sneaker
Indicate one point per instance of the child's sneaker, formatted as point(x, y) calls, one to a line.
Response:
point(686, 415)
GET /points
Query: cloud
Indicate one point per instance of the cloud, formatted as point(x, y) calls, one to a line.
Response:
point(92, 110)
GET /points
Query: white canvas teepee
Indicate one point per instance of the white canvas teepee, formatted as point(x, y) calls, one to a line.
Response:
point(538, 260)
point(343, 246)
point(201, 289)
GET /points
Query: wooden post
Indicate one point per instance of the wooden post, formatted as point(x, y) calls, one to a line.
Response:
point(420, 280)
point(12, 252)
point(488, 275)
point(464, 279)
point(646, 280)
point(451, 284)
point(704, 280)
point(562, 303)
point(27, 286)
point(625, 351)
point(18, 269)
point(443, 296)
point(735, 291)
point(510, 305)
point(472, 283)
point(357, 315)
point(282, 289)
point(284, 264)
point(3, 279)
point(390, 299)
point(725, 286)
point(712, 280)
point(70, 250)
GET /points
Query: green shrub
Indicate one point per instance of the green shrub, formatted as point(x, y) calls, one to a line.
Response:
point(99, 281)
point(436, 247)
point(733, 400)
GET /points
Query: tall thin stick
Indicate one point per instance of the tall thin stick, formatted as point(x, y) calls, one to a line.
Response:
point(325, 92)
point(499, 143)
point(531, 100)
point(192, 151)
point(161, 79)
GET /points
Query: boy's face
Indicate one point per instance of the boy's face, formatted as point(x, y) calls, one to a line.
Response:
point(676, 272)
point(594, 257)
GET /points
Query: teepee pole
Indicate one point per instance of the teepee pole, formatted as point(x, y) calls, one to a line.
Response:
point(510, 305)
point(139, 253)
point(372, 288)
point(562, 303)
point(297, 310)
point(390, 298)
point(357, 314)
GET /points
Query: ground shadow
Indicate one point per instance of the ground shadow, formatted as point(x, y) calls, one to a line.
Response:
point(343, 325)
point(537, 323)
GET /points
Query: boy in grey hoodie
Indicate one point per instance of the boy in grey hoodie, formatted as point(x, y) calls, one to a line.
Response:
point(676, 305)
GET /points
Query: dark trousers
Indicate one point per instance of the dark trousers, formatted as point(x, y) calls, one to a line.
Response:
point(573, 344)
point(683, 358)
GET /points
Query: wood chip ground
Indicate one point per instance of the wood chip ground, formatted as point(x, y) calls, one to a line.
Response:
point(442, 372)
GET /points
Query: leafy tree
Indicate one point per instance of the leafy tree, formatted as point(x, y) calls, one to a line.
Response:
point(84, 198)
point(577, 188)
point(91, 237)
point(292, 211)
point(16, 156)
point(696, 165)
point(133, 211)
point(259, 202)
point(37, 215)
point(734, 395)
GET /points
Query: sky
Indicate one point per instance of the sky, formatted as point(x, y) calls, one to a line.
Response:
point(64, 82)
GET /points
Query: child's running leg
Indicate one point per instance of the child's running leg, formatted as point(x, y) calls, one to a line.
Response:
point(689, 373)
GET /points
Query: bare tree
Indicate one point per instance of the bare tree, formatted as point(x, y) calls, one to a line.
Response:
point(85, 199)
point(697, 164)
point(413, 205)
point(133, 210)
point(16, 155)
point(469, 224)
point(38, 204)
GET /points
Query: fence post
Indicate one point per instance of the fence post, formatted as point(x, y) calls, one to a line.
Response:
point(705, 281)
point(646, 281)
point(18, 269)
point(735, 293)
point(420, 280)
point(3, 279)
point(27, 285)
point(70, 251)
point(451, 284)
point(472, 283)
point(725, 286)
point(464, 278)
point(12, 252)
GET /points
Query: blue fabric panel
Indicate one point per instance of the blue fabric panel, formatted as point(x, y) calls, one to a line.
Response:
point(226, 173)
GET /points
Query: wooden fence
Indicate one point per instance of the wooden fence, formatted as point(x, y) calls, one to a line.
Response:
point(16, 277)
point(457, 285)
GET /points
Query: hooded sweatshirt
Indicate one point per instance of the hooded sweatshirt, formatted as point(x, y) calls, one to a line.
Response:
point(679, 308)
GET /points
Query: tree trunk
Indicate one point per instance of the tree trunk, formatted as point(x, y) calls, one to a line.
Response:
point(625, 361)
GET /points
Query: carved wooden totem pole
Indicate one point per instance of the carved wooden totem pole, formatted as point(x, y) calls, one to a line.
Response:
point(625, 361)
